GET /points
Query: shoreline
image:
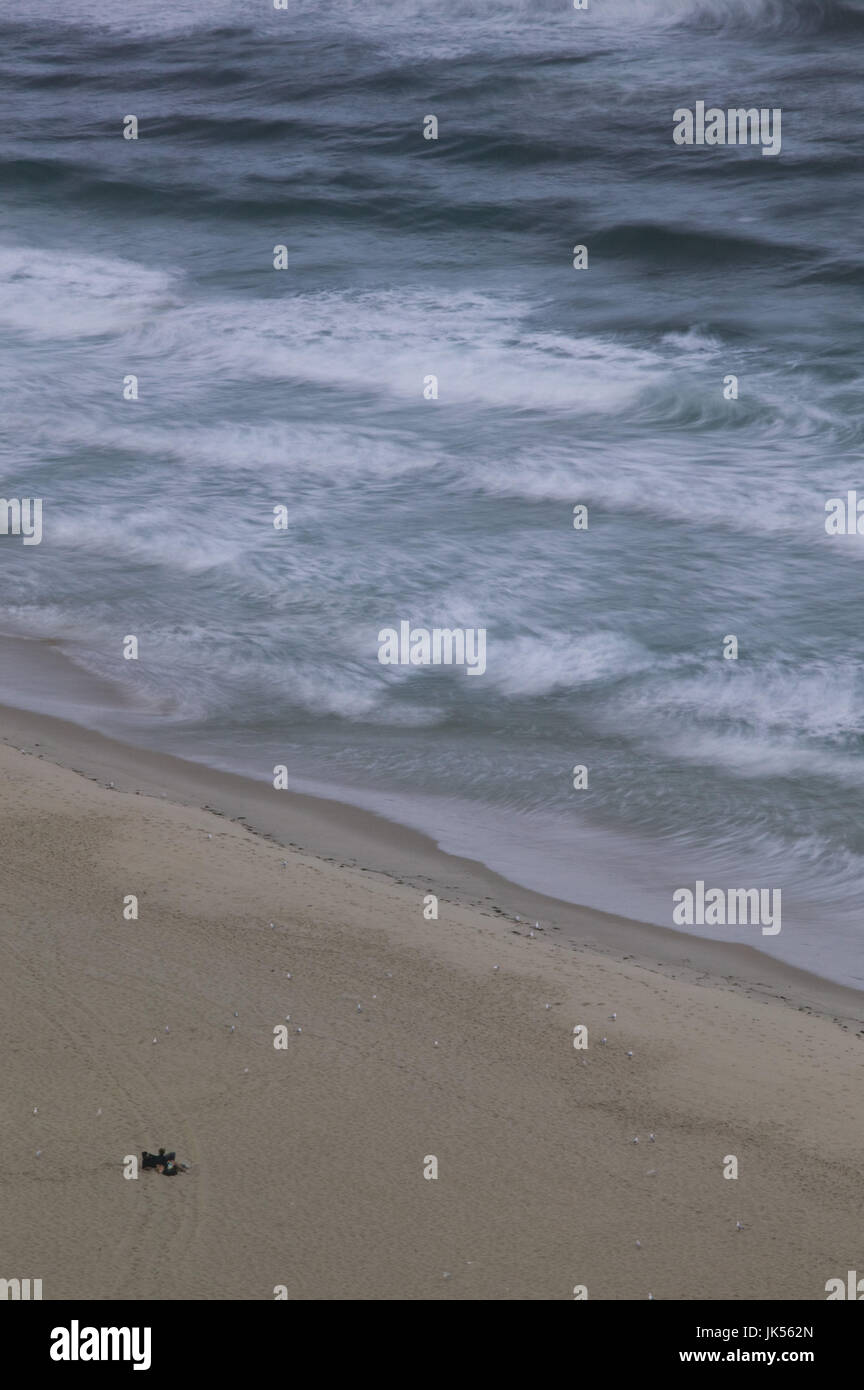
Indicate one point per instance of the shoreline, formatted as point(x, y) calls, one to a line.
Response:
point(335, 831)
point(290, 1023)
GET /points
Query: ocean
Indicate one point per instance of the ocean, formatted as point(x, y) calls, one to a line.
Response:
point(606, 387)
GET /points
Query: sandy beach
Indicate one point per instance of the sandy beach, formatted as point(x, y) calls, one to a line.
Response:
point(307, 1162)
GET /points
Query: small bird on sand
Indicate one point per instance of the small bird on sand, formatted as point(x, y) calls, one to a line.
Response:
point(629, 1054)
point(35, 1109)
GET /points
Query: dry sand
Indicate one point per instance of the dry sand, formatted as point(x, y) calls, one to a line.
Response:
point(308, 1162)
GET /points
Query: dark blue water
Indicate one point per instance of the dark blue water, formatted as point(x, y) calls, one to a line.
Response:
point(304, 387)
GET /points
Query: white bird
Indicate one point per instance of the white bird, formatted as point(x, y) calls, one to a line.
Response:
point(530, 933)
point(738, 1226)
point(167, 1029)
point(613, 1016)
point(446, 1276)
point(245, 1071)
point(636, 1140)
point(387, 975)
point(548, 1006)
point(38, 1153)
point(604, 1040)
point(650, 1295)
point(287, 975)
point(638, 1245)
point(287, 1018)
point(298, 1030)
point(231, 1029)
point(236, 1015)
point(496, 967)
point(651, 1137)
point(155, 1039)
point(35, 1109)
point(434, 1044)
point(209, 837)
point(359, 1008)
point(629, 1054)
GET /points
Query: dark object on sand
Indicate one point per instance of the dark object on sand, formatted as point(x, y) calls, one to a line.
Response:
point(156, 1160)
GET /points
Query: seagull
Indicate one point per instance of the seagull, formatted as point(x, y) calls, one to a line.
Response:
point(167, 1029)
point(298, 1030)
point(434, 1044)
point(35, 1109)
point(38, 1153)
point(287, 975)
point(209, 837)
point(496, 967)
point(738, 1226)
point(236, 1015)
point(629, 1054)
point(530, 933)
point(231, 1029)
point(359, 1008)
point(603, 1040)
point(613, 1016)
point(638, 1245)
point(651, 1137)
point(155, 1040)
point(636, 1140)
point(548, 1006)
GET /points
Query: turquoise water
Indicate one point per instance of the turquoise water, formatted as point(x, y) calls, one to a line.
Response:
point(304, 387)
